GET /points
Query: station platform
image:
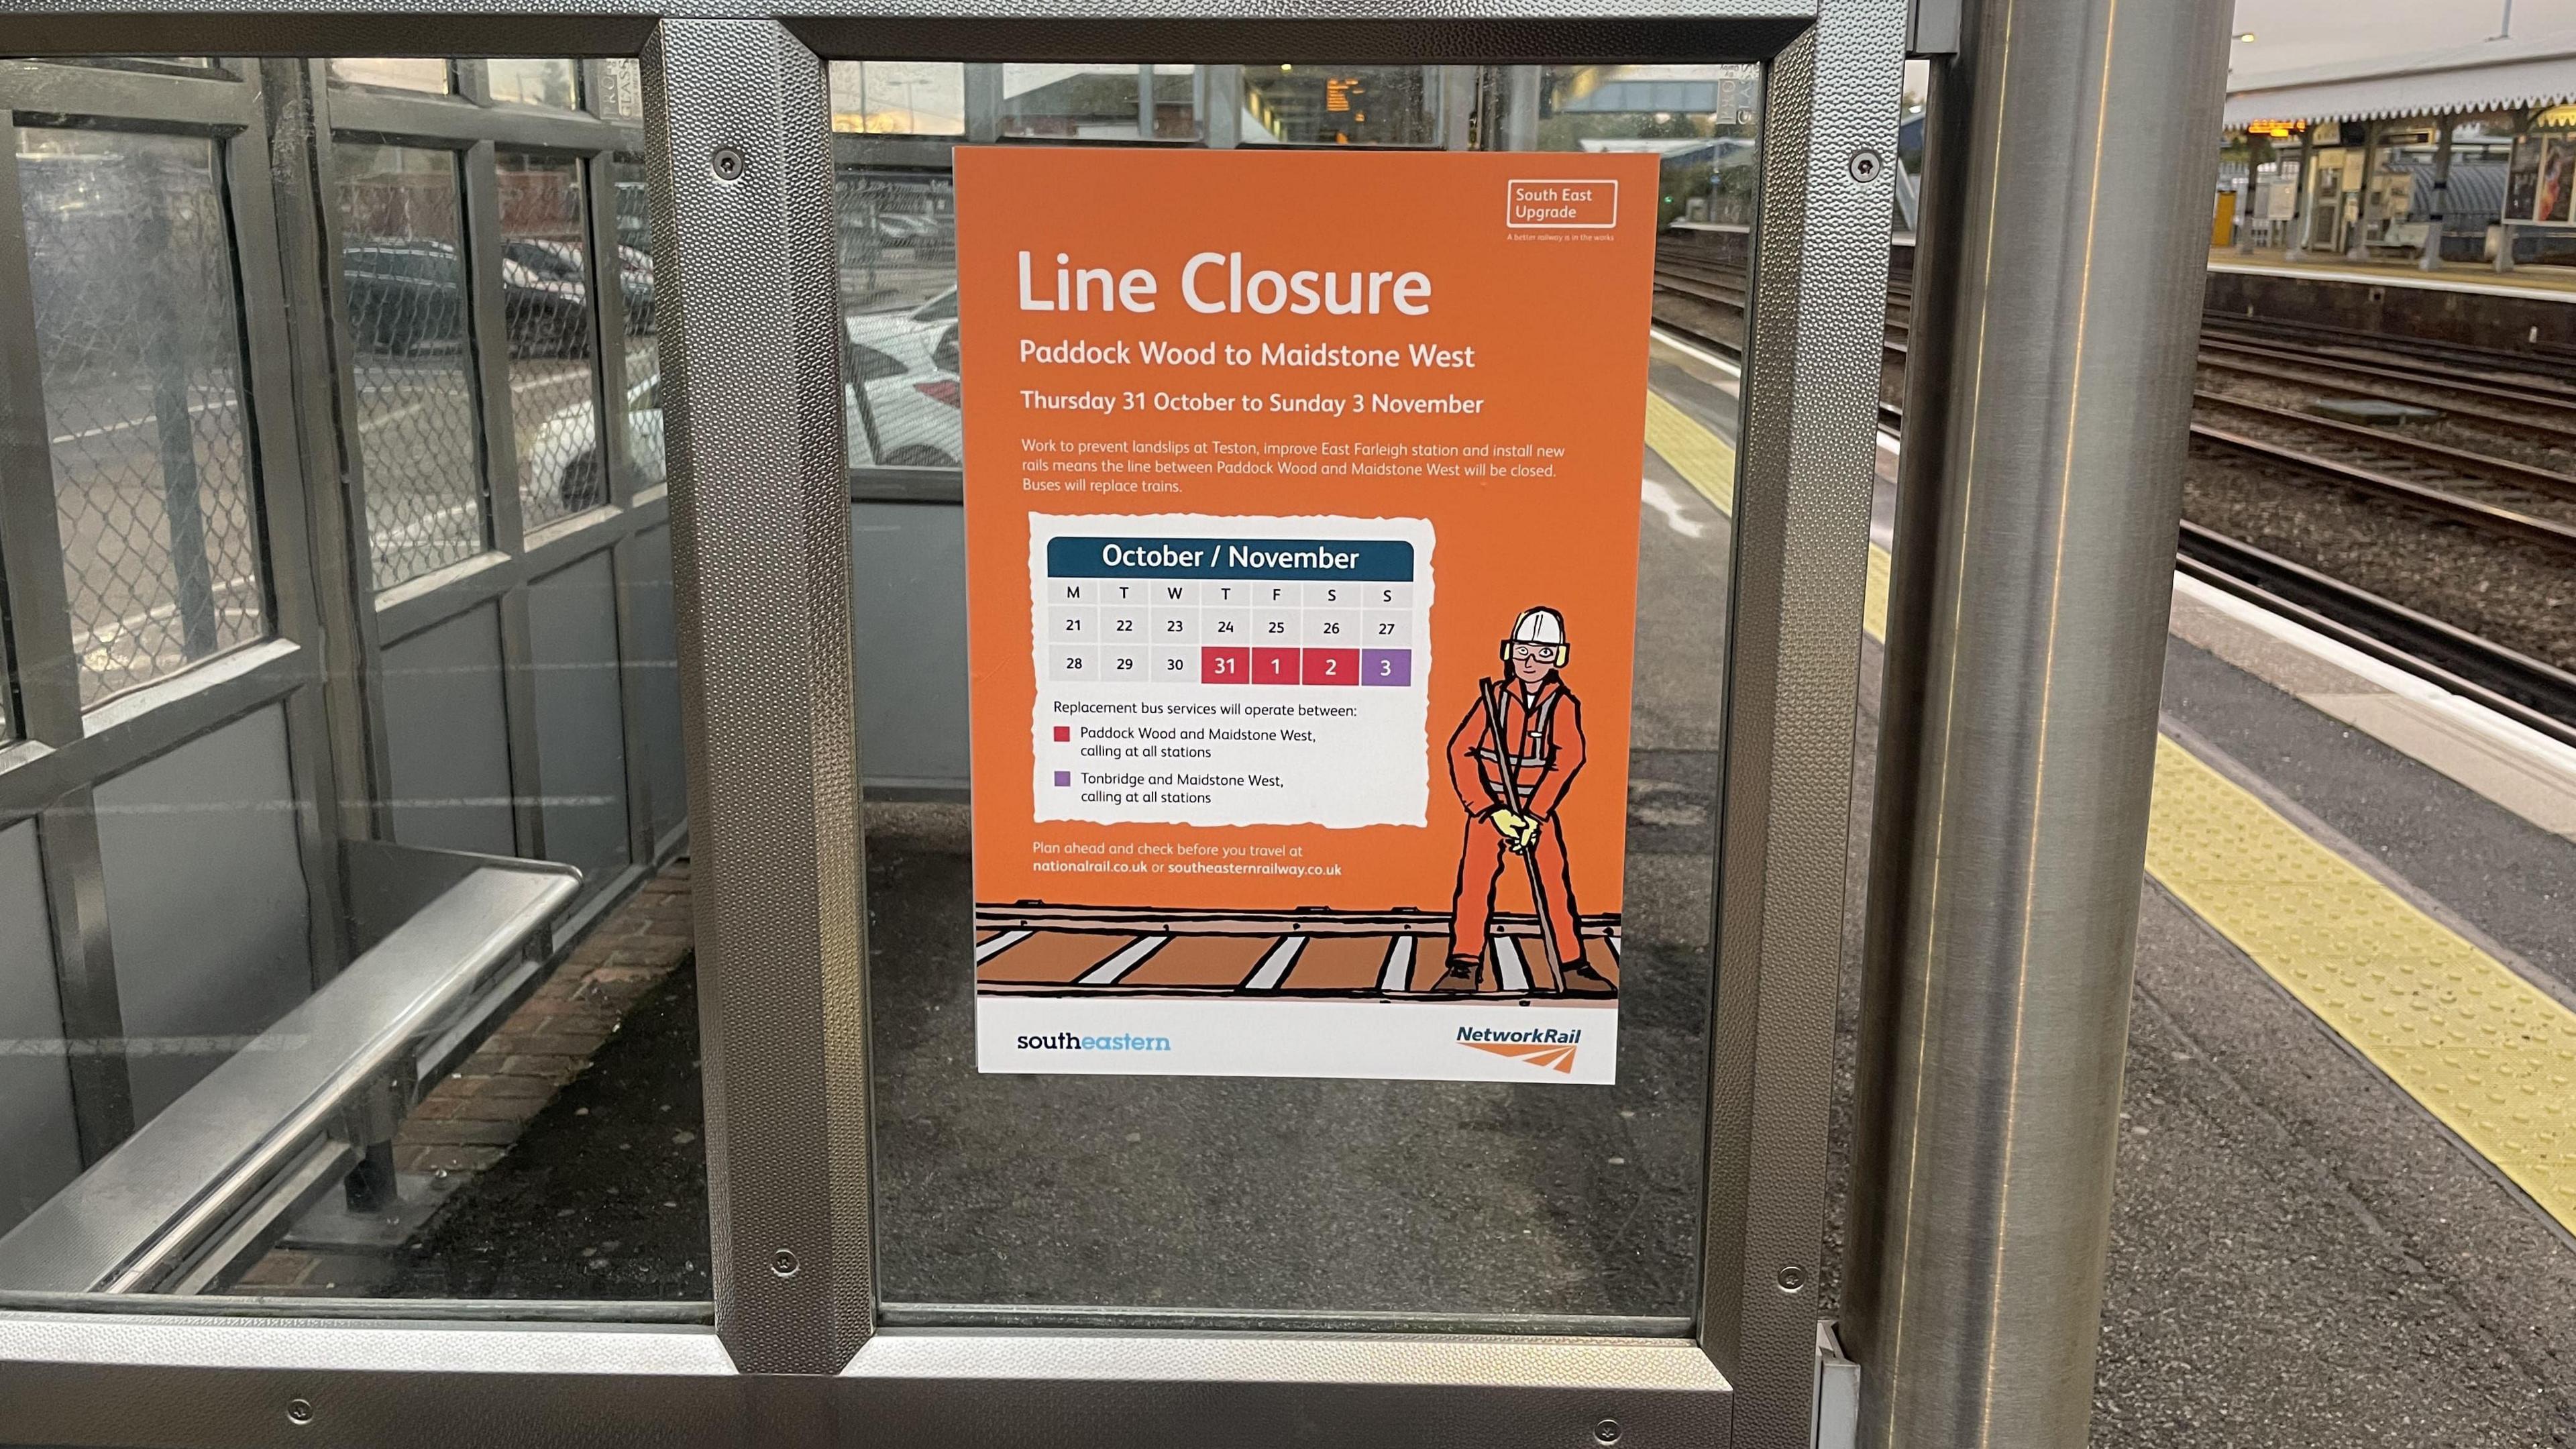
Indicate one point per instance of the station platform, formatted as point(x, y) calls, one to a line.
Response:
point(2351, 1081)
point(2539, 282)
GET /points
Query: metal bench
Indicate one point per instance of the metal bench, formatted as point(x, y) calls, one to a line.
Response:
point(441, 938)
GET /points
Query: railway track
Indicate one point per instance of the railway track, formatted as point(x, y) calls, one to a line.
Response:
point(2509, 497)
point(2516, 685)
point(2500, 495)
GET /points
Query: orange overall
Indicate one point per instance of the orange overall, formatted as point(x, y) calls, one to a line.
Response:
point(1545, 731)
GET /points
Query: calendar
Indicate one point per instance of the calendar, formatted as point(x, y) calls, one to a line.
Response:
point(1230, 670)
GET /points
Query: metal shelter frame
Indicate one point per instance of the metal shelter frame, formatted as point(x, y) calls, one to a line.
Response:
point(741, 178)
point(325, 626)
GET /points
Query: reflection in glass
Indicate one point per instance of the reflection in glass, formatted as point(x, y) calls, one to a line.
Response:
point(546, 303)
point(554, 83)
point(1700, 118)
point(643, 324)
point(138, 336)
point(1100, 102)
point(401, 73)
point(1350, 105)
point(899, 294)
point(402, 263)
point(898, 98)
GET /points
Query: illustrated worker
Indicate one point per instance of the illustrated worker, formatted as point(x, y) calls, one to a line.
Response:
point(1512, 759)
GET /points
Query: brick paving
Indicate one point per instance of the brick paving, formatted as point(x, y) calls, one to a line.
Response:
point(468, 1121)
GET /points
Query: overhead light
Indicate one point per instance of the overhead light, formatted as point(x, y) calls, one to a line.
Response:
point(2246, 36)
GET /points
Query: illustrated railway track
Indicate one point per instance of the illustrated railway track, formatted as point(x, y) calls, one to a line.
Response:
point(2495, 494)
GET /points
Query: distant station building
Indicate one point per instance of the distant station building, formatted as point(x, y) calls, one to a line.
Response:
point(2463, 155)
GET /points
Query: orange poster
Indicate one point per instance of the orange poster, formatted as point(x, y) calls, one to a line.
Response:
point(1301, 531)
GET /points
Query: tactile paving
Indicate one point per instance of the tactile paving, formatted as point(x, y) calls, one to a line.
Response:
point(2484, 1050)
point(1702, 457)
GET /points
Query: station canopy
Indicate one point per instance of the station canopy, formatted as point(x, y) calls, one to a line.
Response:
point(2495, 75)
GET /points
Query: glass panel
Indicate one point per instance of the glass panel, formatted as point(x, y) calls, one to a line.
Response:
point(402, 262)
point(621, 89)
point(545, 297)
point(1362, 105)
point(401, 73)
point(1273, 1193)
point(361, 1009)
point(899, 287)
point(554, 83)
point(1700, 118)
point(898, 253)
point(899, 98)
point(1099, 102)
point(138, 335)
point(643, 323)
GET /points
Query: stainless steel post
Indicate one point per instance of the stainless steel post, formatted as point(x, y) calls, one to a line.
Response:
point(739, 170)
point(2431, 261)
point(2504, 224)
point(1220, 103)
point(2059, 269)
point(1516, 93)
point(2303, 204)
point(2357, 244)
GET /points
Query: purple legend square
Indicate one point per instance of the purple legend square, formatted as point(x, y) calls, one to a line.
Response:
point(1064, 777)
point(1386, 666)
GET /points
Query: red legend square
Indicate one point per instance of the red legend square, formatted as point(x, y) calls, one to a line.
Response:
point(1274, 666)
point(1332, 666)
point(1225, 666)
point(1063, 733)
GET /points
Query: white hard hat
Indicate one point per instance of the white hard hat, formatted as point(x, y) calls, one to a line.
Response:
point(1539, 626)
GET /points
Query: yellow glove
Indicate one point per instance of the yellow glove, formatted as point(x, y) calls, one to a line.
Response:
point(1518, 830)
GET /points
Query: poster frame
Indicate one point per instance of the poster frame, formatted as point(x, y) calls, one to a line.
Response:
point(801, 1346)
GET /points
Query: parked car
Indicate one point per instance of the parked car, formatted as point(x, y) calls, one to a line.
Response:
point(565, 262)
point(900, 396)
point(547, 316)
point(635, 280)
point(409, 294)
point(404, 296)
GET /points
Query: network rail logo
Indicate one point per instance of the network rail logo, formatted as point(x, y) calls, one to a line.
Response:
point(1074, 1041)
point(1544, 1046)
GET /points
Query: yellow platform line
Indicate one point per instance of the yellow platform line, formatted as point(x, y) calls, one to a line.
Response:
point(1705, 460)
point(1873, 603)
point(2482, 1049)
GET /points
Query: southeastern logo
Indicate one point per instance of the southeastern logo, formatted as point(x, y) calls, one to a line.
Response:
point(1545, 1046)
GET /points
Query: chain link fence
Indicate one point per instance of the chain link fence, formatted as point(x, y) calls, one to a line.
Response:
point(403, 268)
point(546, 303)
point(898, 252)
point(643, 405)
point(139, 347)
